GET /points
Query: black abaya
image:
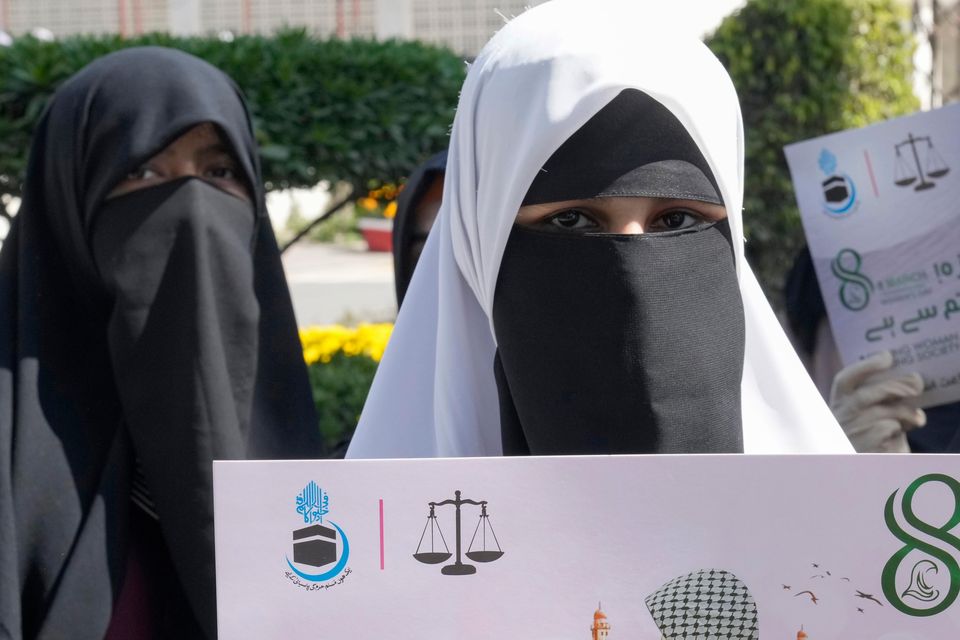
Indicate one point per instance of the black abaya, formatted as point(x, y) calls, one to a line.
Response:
point(96, 373)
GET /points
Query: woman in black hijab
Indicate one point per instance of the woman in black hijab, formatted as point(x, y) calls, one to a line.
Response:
point(145, 330)
point(417, 208)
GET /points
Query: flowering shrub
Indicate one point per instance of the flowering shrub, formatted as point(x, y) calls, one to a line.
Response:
point(341, 362)
point(320, 344)
point(380, 201)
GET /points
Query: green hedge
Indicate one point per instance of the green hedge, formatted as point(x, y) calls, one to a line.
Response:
point(337, 110)
point(362, 111)
point(339, 390)
point(804, 68)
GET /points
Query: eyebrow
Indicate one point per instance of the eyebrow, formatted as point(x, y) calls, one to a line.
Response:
point(218, 148)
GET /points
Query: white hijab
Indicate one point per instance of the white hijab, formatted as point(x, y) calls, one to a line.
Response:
point(533, 85)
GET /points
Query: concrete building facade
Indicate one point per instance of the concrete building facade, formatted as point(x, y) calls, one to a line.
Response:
point(463, 25)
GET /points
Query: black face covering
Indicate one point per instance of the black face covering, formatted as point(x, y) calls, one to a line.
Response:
point(621, 343)
point(141, 338)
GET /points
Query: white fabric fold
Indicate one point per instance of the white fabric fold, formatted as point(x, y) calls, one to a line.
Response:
point(540, 78)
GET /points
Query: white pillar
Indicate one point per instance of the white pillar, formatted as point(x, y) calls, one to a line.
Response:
point(183, 17)
point(393, 19)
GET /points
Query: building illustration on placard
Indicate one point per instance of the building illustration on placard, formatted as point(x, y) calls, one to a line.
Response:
point(600, 629)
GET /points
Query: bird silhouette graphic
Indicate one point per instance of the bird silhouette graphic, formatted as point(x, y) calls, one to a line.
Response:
point(786, 587)
point(859, 609)
point(867, 596)
point(813, 596)
point(847, 579)
point(819, 575)
point(815, 565)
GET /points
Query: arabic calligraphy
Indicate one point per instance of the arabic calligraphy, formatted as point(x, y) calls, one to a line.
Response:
point(317, 587)
point(945, 270)
point(313, 503)
point(888, 326)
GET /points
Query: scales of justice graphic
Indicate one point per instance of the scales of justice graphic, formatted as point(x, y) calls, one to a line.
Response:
point(458, 568)
point(905, 174)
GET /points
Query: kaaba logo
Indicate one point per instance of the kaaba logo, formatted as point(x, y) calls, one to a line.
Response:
point(839, 191)
point(317, 545)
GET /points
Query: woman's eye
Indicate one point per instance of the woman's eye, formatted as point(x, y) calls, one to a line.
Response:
point(571, 219)
point(223, 173)
point(679, 219)
point(142, 173)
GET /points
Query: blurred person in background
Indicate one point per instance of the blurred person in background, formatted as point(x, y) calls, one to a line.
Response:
point(417, 208)
point(878, 412)
point(583, 290)
point(146, 330)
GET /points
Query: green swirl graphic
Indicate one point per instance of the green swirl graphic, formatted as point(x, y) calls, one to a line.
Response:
point(943, 534)
point(856, 288)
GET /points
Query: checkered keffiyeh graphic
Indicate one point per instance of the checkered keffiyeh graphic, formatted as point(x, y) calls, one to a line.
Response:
point(705, 605)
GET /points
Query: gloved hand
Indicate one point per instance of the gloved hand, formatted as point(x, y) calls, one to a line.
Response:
point(874, 414)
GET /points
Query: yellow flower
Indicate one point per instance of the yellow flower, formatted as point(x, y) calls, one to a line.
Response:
point(370, 204)
point(391, 210)
point(321, 344)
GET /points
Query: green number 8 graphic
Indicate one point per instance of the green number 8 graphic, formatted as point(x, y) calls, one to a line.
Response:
point(856, 288)
point(889, 576)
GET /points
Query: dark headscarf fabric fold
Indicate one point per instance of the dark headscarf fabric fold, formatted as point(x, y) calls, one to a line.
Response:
point(404, 224)
point(97, 373)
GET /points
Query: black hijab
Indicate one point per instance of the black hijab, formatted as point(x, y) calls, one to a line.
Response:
point(804, 302)
point(98, 371)
point(404, 224)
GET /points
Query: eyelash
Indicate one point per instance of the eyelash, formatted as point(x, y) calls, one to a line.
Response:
point(553, 219)
point(232, 174)
point(232, 171)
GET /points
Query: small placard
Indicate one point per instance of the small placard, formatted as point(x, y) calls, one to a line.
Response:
point(881, 211)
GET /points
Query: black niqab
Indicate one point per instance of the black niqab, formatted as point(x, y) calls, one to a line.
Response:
point(613, 343)
point(633, 146)
point(94, 375)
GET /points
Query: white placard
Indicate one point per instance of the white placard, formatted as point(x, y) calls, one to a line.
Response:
point(881, 211)
point(843, 547)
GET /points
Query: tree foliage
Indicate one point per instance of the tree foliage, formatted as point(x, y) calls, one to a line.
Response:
point(802, 69)
point(335, 110)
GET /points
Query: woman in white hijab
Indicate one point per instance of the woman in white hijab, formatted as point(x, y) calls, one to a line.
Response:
point(563, 329)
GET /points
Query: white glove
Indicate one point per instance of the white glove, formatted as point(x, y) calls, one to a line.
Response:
point(876, 415)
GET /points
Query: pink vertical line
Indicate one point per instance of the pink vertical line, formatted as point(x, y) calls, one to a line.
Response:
point(873, 178)
point(381, 534)
point(5, 15)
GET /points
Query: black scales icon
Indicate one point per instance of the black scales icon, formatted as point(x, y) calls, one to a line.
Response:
point(482, 554)
point(907, 173)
